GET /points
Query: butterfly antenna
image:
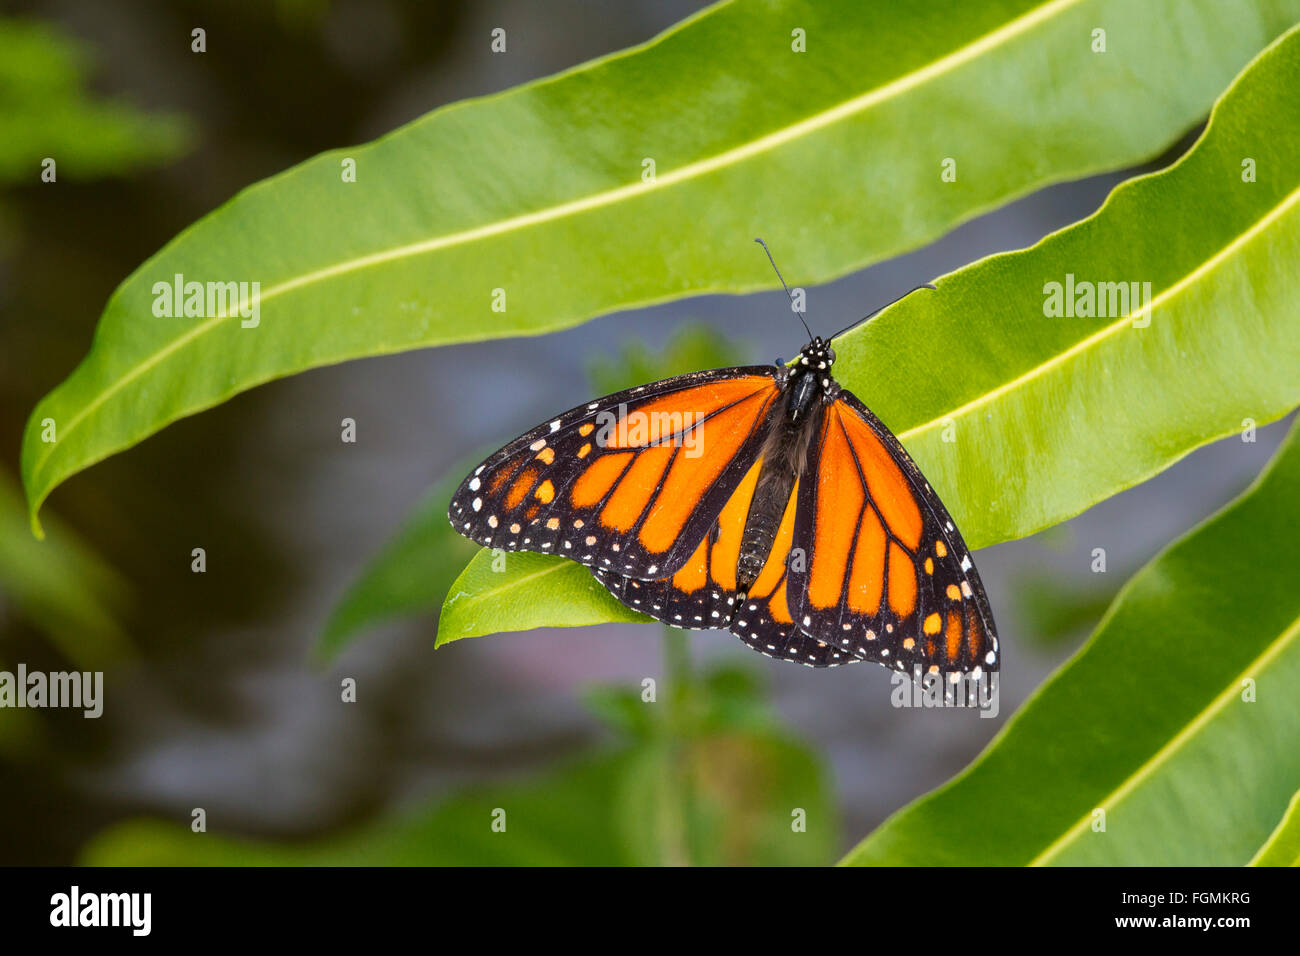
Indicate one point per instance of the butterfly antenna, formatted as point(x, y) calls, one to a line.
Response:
point(786, 287)
point(924, 285)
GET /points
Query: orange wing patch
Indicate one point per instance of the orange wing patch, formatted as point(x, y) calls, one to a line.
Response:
point(866, 581)
point(595, 482)
point(731, 528)
point(636, 488)
point(501, 477)
point(952, 636)
point(694, 574)
point(975, 643)
point(840, 500)
point(902, 581)
point(779, 606)
point(720, 437)
point(857, 560)
point(665, 420)
point(523, 484)
point(886, 483)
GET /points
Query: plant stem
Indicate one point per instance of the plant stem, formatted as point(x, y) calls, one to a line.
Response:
point(676, 793)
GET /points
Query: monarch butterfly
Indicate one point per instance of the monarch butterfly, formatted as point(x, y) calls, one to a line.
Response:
point(766, 500)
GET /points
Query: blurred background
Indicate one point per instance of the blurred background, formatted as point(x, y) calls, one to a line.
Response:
point(213, 698)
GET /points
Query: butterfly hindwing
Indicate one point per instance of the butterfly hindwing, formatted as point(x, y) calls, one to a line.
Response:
point(884, 574)
point(703, 592)
point(630, 483)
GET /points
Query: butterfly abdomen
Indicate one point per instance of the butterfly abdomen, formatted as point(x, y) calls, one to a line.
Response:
point(775, 482)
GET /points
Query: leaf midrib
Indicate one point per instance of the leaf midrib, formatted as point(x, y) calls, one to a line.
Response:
point(1161, 756)
point(1118, 325)
point(944, 64)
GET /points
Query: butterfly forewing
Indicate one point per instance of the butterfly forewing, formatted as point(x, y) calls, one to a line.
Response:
point(630, 483)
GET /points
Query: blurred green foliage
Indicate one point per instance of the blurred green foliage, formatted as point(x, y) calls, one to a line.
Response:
point(45, 111)
point(693, 347)
point(63, 589)
point(703, 775)
point(1055, 610)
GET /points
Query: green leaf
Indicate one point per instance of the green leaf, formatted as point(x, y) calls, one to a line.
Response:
point(1020, 420)
point(1283, 845)
point(521, 591)
point(834, 154)
point(1177, 719)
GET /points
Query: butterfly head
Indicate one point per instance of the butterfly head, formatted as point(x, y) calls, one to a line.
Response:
point(816, 356)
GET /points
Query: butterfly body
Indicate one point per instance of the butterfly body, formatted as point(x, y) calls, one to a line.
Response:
point(806, 384)
point(767, 501)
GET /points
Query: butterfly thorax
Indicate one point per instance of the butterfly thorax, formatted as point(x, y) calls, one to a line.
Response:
point(809, 381)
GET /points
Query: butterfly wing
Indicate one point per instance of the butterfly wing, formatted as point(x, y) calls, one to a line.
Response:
point(631, 482)
point(885, 574)
point(703, 592)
